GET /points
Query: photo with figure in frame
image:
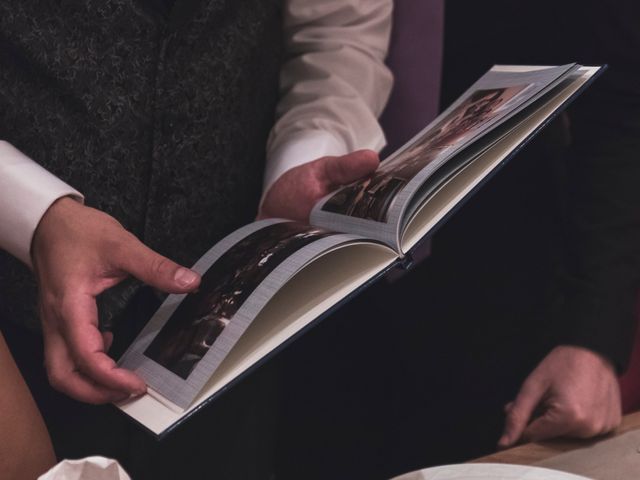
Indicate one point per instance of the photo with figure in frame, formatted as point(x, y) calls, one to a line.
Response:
point(202, 316)
point(372, 197)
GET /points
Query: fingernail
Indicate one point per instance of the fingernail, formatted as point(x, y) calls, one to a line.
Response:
point(185, 277)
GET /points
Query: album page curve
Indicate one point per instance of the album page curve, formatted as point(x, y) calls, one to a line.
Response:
point(318, 287)
point(377, 207)
point(451, 194)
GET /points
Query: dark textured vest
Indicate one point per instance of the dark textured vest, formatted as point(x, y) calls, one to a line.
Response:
point(160, 121)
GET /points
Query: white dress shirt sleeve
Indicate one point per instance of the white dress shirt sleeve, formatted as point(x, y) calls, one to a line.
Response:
point(26, 192)
point(334, 83)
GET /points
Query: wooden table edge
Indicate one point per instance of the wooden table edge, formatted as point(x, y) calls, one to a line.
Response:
point(532, 453)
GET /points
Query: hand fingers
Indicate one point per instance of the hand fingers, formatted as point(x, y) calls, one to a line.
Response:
point(156, 270)
point(87, 348)
point(64, 377)
point(574, 418)
point(519, 413)
point(549, 425)
point(570, 423)
point(338, 171)
point(556, 424)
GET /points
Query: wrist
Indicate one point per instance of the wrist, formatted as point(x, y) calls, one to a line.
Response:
point(61, 209)
point(583, 352)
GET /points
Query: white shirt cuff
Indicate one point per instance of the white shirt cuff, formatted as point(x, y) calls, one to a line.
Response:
point(298, 149)
point(26, 192)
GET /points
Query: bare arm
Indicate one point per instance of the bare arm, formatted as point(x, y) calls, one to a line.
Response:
point(25, 448)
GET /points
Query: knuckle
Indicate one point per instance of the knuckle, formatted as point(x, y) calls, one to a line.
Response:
point(160, 266)
point(56, 379)
point(576, 416)
point(83, 363)
point(584, 425)
point(316, 190)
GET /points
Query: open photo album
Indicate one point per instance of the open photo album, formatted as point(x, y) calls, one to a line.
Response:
point(265, 283)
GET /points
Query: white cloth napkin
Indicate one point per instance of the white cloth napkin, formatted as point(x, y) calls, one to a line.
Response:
point(90, 468)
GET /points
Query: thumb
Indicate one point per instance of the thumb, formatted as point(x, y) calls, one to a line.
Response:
point(520, 410)
point(545, 427)
point(156, 270)
point(338, 171)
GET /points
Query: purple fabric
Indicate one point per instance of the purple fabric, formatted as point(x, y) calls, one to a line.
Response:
point(415, 58)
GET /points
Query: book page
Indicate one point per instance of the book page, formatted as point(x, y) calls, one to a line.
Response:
point(463, 182)
point(190, 335)
point(375, 206)
point(488, 471)
point(319, 286)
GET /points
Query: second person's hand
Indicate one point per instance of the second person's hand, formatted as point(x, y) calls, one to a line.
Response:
point(295, 193)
